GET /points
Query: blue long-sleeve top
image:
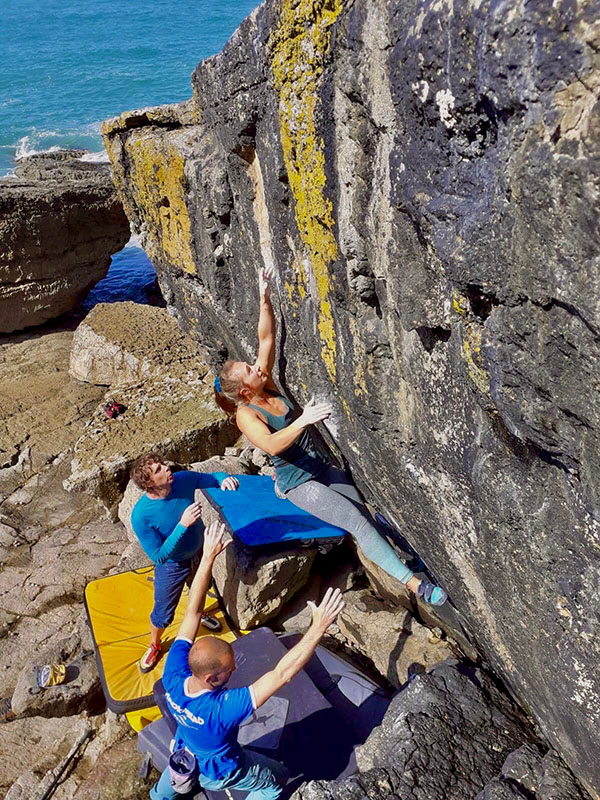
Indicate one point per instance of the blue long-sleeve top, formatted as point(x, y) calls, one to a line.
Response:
point(155, 521)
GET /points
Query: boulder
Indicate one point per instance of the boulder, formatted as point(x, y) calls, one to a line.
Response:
point(445, 735)
point(394, 641)
point(431, 211)
point(122, 343)
point(531, 774)
point(60, 223)
point(254, 586)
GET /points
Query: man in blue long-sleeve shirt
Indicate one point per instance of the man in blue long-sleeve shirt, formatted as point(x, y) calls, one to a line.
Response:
point(168, 524)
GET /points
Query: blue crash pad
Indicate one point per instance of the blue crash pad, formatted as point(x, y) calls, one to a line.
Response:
point(259, 518)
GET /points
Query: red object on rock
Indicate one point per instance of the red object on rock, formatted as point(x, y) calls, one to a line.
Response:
point(113, 409)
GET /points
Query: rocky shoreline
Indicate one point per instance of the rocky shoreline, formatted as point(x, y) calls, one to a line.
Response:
point(60, 223)
point(430, 205)
point(53, 541)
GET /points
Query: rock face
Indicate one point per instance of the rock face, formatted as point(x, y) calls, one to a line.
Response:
point(529, 774)
point(60, 222)
point(425, 178)
point(445, 735)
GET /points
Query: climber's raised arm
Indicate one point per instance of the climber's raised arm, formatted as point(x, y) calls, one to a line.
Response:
point(266, 325)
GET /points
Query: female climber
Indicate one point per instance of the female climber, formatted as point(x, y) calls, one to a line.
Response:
point(248, 393)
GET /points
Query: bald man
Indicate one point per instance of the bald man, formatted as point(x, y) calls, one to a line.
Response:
point(208, 714)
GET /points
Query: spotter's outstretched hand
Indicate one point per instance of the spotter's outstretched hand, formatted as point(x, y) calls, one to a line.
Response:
point(215, 541)
point(327, 611)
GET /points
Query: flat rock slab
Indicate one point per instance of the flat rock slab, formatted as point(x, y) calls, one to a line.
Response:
point(36, 743)
point(41, 591)
point(123, 343)
point(60, 223)
point(42, 410)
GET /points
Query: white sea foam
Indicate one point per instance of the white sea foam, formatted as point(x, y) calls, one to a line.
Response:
point(26, 147)
point(98, 158)
point(133, 242)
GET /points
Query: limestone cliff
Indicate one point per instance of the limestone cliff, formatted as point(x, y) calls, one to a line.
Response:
point(425, 177)
point(60, 222)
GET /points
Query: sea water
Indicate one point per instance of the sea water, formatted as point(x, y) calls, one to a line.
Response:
point(67, 65)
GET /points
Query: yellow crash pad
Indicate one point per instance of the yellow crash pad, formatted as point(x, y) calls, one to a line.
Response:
point(118, 609)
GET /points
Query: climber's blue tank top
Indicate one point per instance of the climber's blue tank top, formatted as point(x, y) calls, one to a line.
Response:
point(300, 462)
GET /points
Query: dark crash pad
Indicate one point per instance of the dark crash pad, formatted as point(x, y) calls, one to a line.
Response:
point(315, 743)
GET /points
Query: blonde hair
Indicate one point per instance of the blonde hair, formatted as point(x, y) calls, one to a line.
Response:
point(229, 397)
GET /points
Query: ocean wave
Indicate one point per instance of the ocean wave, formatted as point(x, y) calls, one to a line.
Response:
point(26, 147)
point(50, 141)
point(98, 158)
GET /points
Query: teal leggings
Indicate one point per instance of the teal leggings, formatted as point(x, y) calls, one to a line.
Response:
point(333, 498)
point(263, 778)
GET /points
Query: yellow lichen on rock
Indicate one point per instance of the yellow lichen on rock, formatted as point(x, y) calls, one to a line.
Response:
point(471, 353)
point(159, 192)
point(298, 48)
point(471, 346)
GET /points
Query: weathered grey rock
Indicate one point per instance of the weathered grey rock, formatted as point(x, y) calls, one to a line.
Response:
point(41, 592)
point(336, 569)
point(445, 735)
point(37, 744)
point(61, 221)
point(255, 587)
point(396, 643)
point(42, 410)
point(130, 497)
point(528, 773)
point(9, 539)
point(115, 776)
point(48, 753)
point(425, 179)
point(80, 692)
point(122, 343)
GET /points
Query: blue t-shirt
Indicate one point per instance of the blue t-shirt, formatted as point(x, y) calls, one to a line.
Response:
point(207, 721)
point(156, 521)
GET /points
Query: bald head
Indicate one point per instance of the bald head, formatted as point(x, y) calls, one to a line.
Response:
point(210, 656)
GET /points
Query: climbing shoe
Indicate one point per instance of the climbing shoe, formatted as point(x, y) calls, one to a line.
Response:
point(210, 623)
point(432, 594)
point(150, 658)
